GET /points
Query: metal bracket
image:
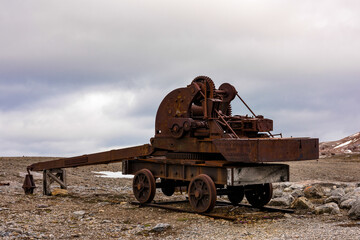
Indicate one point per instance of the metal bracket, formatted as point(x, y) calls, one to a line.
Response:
point(50, 176)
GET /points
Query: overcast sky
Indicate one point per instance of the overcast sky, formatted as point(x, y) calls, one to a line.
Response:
point(84, 76)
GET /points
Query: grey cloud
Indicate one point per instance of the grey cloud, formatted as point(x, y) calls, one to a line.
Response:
point(290, 60)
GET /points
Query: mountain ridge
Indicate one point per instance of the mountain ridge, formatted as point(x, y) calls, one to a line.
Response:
point(346, 145)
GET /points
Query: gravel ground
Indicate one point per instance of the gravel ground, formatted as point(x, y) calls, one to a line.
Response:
point(99, 208)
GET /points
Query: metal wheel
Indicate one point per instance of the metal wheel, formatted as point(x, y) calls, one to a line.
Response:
point(202, 193)
point(177, 131)
point(144, 186)
point(167, 187)
point(259, 195)
point(236, 195)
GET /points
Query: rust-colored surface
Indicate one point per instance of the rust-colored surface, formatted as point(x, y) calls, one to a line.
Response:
point(95, 158)
point(268, 150)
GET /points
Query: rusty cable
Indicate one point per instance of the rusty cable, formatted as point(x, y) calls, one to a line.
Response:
point(246, 104)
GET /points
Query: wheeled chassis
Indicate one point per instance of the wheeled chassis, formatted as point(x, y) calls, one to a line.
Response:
point(222, 173)
point(227, 177)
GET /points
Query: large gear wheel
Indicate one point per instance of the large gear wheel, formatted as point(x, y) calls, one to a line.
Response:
point(209, 83)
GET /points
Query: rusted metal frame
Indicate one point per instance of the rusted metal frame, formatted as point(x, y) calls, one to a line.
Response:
point(205, 106)
point(96, 158)
point(226, 123)
point(173, 171)
point(206, 112)
point(251, 111)
point(271, 134)
point(236, 175)
point(268, 150)
point(277, 134)
point(53, 175)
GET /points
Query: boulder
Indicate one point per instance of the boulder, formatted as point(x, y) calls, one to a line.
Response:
point(283, 185)
point(160, 227)
point(347, 204)
point(349, 189)
point(302, 203)
point(351, 195)
point(297, 193)
point(327, 191)
point(354, 212)
point(79, 213)
point(337, 192)
point(277, 193)
point(331, 208)
point(285, 200)
point(59, 192)
point(313, 192)
point(335, 199)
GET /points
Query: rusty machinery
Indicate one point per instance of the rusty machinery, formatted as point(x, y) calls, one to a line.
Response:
point(199, 143)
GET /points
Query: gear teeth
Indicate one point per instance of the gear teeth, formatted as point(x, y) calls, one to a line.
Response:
point(209, 82)
point(229, 110)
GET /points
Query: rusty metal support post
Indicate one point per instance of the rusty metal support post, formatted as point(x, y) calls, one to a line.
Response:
point(50, 176)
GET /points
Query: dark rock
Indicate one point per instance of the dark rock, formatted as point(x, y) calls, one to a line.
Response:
point(335, 199)
point(285, 200)
point(302, 203)
point(297, 193)
point(354, 212)
point(347, 204)
point(42, 206)
point(313, 192)
point(351, 195)
point(15, 230)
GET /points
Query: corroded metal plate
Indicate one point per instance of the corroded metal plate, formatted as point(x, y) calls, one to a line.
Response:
point(268, 150)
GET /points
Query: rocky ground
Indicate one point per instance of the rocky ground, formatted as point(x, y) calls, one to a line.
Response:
point(323, 193)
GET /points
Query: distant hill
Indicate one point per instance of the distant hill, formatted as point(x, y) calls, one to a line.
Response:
point(350, 144)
